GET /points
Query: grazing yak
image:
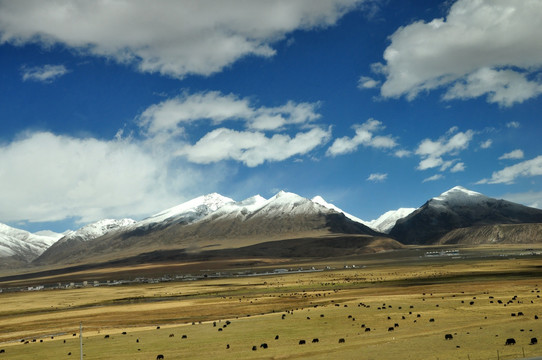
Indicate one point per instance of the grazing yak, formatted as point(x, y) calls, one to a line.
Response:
point(264, 346)
point(510, 341)
point(315, 340)
point(341, 340)
point(159, 356)
point(448, 337)
point(534, 341)
point(302, 342)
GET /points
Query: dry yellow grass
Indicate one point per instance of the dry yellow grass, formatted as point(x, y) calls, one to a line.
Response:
point(323, 305)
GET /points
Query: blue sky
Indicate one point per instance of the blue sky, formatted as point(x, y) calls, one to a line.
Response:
point(119, 109)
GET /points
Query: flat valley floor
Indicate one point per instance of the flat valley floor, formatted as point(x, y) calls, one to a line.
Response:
point(398, 305)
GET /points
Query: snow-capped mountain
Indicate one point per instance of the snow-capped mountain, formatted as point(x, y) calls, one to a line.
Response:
point(187, 212)
point(23, 244)
point(85, 234)
point(97, 229)
point(321, 201)
point(458, 196)
point(387, 221)
point(217, 222)
point(283, 213)
point(459, 208)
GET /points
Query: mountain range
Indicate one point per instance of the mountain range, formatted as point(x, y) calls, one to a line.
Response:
point(459, 208)
point(283, 225)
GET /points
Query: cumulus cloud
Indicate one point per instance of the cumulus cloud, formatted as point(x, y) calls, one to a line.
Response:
point(529, 198)
point(504, 87)
point(44, 74)
point(366, 82)
point(515, 154)
point(484, 47)
point(251, 147)
point(433, 178)
point(486, 144)
point(53, 177)
point(174, 38)
point(458, 167)
point(171, 115)
point(451, 143)
point(509, 174)
point(402, 153)
point(364, 136)
point(377, 177)
point(271, 133)
point(513, 124)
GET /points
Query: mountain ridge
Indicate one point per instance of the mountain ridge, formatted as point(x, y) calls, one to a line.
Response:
point(459, 208)
point(198, 223)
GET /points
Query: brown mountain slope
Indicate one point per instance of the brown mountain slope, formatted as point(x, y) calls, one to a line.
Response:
point(218, 233)
point(495, 234)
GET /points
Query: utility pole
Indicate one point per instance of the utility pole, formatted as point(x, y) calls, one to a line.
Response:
point(81, 338)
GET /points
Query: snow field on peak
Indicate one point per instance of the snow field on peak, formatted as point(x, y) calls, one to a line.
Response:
point(195, 208)
point(459, 196)
point(99, 228)
point(19, 242)
point(320, 200)
point(388, 220)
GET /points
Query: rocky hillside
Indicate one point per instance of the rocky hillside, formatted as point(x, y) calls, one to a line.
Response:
point(229, 225)
point(459, 208)
point(495, 234)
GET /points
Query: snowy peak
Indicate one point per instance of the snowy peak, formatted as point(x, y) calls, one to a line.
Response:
point(388, 220)
point(97, 229)
point(278, 206)
point(459, 195)
point(459, 208)
point(286, 202)
point(189, 211)
point(16, 242)
point(320, 200)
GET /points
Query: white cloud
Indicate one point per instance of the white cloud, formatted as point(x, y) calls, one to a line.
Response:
point(433, 178)
point(250, 147)
point(51, 177)
point(513, 124)
point(45, 73)
point(486, 144)
point(515, 154)
point(366, 82)
point(430, 162)
point(364, 136)
point(529, 198)
point(458, 167)
point(402, 153)
point(377, 177)
point(161, 123)
point(483, 47)
point(451, 143)
point(174, 38)
point(169, 116)
point(509, 174)
point(504, 87)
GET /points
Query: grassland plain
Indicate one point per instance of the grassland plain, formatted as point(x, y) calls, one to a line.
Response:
point(409, 307)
